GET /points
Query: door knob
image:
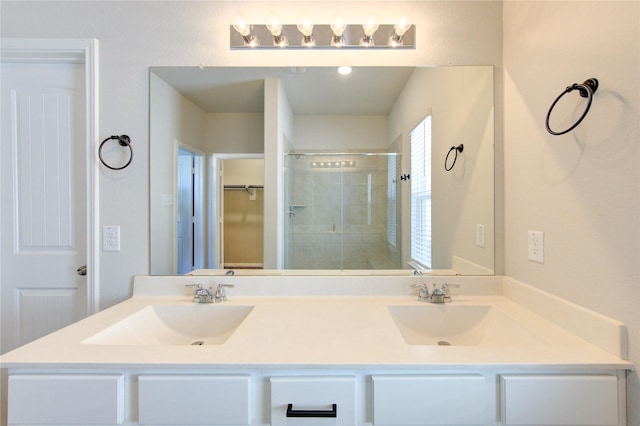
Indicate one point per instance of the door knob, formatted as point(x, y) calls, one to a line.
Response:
point(82, 270)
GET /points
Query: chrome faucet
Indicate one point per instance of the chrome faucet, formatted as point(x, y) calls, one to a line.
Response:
point(201, 295)
point(204, 295)
point(438, 294)
point(417, 268)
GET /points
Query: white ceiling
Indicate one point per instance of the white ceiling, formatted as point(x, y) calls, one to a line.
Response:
point(311, 90)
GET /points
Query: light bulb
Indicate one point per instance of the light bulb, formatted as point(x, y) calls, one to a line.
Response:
point(370, 27)
point(242, 27)
point(338, 27)
point(398, 32)
point(306, 28)
point(275, 28)
point(401, 27)
point(244, 30)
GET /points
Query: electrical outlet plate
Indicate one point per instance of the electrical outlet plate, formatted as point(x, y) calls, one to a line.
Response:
point(536, 246)
point(480, 235)
point(110, 238)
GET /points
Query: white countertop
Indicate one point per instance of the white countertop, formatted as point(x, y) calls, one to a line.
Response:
point(340, 331)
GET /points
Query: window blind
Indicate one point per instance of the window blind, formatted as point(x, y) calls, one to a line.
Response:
point(421, 193)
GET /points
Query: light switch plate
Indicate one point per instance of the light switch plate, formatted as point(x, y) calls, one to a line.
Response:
point(536, 246)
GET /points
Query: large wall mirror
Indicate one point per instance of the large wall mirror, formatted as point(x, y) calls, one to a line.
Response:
point(276, 169)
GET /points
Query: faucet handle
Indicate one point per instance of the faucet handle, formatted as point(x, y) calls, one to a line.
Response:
point(423, 294)
point(447, 294)
point(222, 286)
point(446, 287)
point(198, 286)
point(221, 294)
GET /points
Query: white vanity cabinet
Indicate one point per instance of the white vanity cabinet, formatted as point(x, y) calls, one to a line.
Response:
point(428, 399)
point(194, 399)
point(313, 400)
point(66, 399)
point(355, 396)
point(560, 400)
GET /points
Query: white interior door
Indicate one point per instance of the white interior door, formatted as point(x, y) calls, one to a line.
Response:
point(43, 192)
point(185, 214)
point(190, 206)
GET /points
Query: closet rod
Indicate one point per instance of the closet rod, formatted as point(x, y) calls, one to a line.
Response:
point(243, 187)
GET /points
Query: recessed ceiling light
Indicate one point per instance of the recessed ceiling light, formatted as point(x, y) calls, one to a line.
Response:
point(344, 70)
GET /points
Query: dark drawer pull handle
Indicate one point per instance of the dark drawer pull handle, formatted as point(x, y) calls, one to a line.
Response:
point(312, 413)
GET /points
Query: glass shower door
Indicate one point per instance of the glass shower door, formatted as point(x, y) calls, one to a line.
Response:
point(314, 210)
point(338, 211)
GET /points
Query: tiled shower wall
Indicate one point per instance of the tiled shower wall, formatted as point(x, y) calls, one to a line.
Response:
point(337, 212)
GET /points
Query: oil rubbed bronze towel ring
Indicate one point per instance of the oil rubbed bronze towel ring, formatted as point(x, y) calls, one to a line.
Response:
point(586, 90)
point(123, 140)
point(455, 150)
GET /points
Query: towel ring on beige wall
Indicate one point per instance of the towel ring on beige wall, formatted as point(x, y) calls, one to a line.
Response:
point(586, 89)
point(123, 140)
point(455, 150)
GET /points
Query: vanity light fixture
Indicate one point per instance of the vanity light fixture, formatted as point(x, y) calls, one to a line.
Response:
point(332, 164)
point(338, 35)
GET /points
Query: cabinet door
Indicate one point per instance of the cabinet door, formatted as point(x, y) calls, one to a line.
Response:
point(310, 400)
point(66, 399)
point(429, 400)
point(194, 400)
point(559, 400)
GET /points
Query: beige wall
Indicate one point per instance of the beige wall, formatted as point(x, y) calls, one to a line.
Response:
point(179, 121)
point(582, 189)
point(235, 133)
point(339, 133)
point(460, 99)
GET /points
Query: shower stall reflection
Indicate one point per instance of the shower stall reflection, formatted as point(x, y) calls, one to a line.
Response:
point(343, 211)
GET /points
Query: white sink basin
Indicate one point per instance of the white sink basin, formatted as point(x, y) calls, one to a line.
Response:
point(458, 325)
point(169, 325)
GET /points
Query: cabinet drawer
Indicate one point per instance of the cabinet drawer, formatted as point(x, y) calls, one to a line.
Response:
point(66, 399)
point(194, 400)
point(310, 400)
point(559, 400)
point(429, 400)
